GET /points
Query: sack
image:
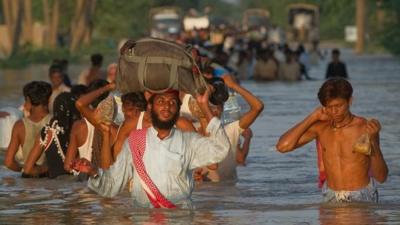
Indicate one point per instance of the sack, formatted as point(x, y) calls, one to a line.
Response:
point(106, 110)
point(157, 65)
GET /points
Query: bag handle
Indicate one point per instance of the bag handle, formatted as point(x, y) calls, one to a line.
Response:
point(142, 69)
point(131, 57)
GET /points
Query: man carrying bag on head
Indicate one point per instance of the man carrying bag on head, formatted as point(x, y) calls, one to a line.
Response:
point(158, 161)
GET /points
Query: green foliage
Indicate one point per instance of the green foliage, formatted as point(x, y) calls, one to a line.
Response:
point(28, 55)
point(115, 20)
point(129, 19)
point(335, 16)
point(121, 19)
point(389, 37)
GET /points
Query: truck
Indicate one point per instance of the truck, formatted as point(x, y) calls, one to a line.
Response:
point(255, 18)
point(303, 22)
point(256, 23)
point(165, 22)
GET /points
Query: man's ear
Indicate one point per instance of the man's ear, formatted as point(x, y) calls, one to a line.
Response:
point(351, 100)
point(27, 104)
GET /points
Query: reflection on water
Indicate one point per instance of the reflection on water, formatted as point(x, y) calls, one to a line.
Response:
point(272, 189)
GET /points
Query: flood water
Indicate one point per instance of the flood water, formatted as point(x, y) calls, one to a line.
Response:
point(273, 188)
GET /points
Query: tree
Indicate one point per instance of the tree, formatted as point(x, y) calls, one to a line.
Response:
point(17, 10)
point(389, 37)
point(81, 27)
point(27, 28)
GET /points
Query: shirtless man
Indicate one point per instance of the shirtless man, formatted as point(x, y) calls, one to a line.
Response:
point(349, 172)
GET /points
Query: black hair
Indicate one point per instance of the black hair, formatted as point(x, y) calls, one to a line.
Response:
point(335, 88)
point(135, 98)
point(300, 49)
point(55, 68)
point(38, 92)
point(97, 59)
point(335, 51)
point(78, 90)
point(220, 94)
point(94, 85)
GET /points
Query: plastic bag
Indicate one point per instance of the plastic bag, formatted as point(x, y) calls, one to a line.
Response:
point(231, 109)
point(195, 108)
point(363, 145)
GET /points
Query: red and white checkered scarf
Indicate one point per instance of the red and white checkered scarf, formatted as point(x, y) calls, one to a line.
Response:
point(137, 144)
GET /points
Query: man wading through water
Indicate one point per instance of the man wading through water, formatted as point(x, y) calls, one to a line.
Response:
point(158, 161)
point(349, 144)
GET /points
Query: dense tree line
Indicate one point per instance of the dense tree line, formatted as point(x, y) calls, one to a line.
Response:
point(73, 23)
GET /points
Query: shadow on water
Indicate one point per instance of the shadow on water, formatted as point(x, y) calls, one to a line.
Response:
point(272, 188)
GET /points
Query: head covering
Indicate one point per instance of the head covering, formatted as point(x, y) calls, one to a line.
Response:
point(172, 91)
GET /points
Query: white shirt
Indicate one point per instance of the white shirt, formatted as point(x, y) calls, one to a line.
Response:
point(82, 77)
point(55, 92)
point(86, 150)
point(227, 167)
point(185, 110)
point(168, 162)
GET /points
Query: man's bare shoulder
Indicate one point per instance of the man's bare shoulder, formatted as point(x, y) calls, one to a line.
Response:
point(18, 131)
point(360, 121)
point(19, 126)
point(320, 126)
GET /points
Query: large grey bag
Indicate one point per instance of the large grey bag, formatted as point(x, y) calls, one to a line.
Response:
point(157, 65)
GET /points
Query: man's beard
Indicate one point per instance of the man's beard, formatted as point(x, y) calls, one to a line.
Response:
point(163, 125)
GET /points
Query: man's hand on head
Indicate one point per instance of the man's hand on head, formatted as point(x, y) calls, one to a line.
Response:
point(320, 114)
point(203, 100)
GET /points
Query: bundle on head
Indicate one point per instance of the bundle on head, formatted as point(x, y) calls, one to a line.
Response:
point(157, 65)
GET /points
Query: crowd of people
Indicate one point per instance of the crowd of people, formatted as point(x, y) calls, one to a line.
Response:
point(261, 53)
point(161, 145)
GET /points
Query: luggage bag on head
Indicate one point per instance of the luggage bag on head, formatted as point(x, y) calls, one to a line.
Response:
point(157, 65)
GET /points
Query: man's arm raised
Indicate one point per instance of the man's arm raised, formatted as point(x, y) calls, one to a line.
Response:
point(106, 152)
point(213, 148)
point(82, 104)
point(126, 128)
point(256, 105)
point(301, 133)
